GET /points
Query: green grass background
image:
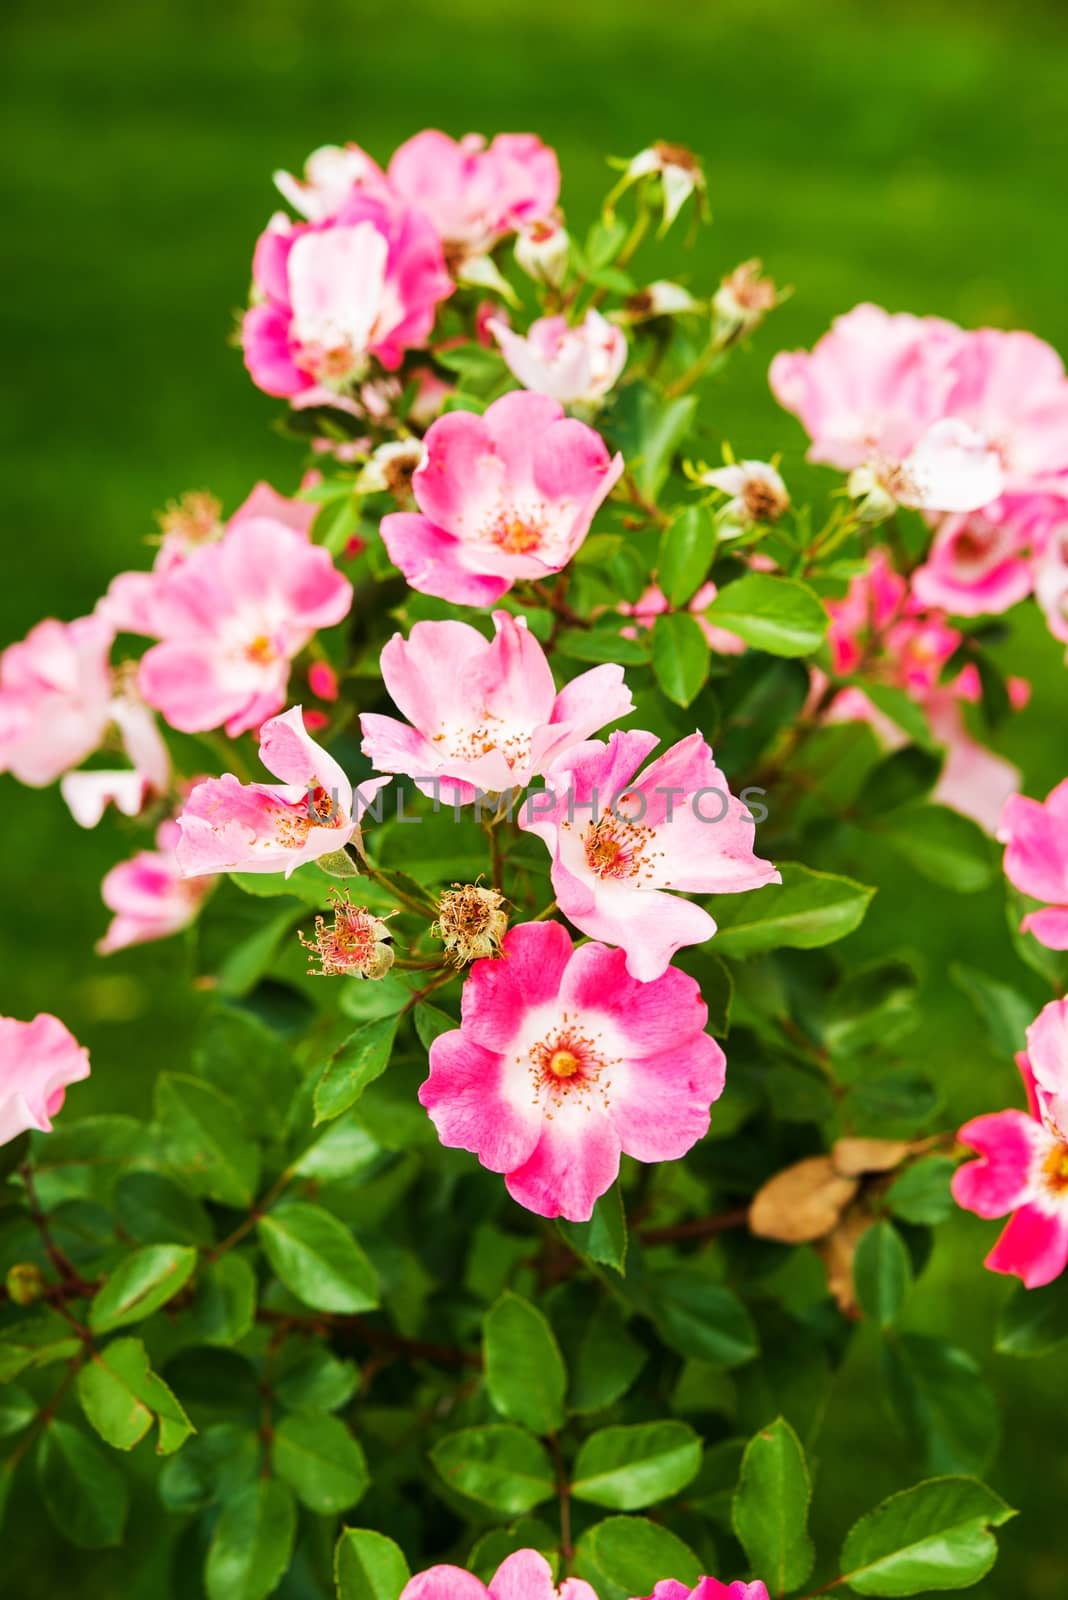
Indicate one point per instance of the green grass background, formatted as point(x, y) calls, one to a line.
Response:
point(913, 154)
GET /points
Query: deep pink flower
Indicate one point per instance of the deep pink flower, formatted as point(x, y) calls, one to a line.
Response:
point(506, 495)
point(710, 1589)
point(562, 1062)
point(228, 826)
point(618, 841)
point(1023, 1165)
point(38, 1060)
point(975, 566)
point(483, 715)
point(873, 600)
point(366, 281)
point(55, 698)
point(525, 1575)
point(231, 617)
point(474, 194)
point(149, 896)
point(1035, 836)
point(573, 364)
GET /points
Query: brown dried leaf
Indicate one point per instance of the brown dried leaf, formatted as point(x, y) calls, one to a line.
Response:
point(801, 1203)
point(837, 1252)
point(854, 1157)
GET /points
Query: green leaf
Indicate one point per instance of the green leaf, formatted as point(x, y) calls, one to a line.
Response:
point(921, 1193)
point(882, 1273)
point(770, 1509)
point(368, 1566)
point(601, 644)
point(806, 910)
point(702, 1319)
point(686, 549)
point(1034, 1321)
point(204, 1140)
point(874, 1006)
point(899, 779)
point(525, 1372)
point(500, 1466)
point(900, 708)
point(154, 1209)
point(37, 1341)
point(681, 656)
point(633, 1555)
point(938, 1394)
point(84, 1491)
point(431, 1022)
point(778, 615)
point(602, 1240)
point(140, 1284)
point(1005, 1014)
point(321, 1462)
point(122, 1397)
point(317, 1259)
point(629, 1467)
point(315, 1379)
point(942, 845)
point(248, 1062)
point(336, 522)
point(649, 431)
point(525, 1533)
point(213, 1466)
point(606, 1360)
point(252, 1543)
point(935, 1536)
point(224, 1303)
point(17, 1409)
point(360, 1060)
point(891, 1104)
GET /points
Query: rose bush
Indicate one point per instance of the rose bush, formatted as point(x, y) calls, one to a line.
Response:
point(521, 1257)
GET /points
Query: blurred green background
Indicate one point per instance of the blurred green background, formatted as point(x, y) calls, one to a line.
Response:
point(910, 154)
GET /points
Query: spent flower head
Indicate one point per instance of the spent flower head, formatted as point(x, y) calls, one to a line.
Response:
point(353, 944)
point(471, 922)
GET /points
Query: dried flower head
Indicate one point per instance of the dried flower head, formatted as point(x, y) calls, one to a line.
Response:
point(745, 297)
point(471, 922)
point(354, 944)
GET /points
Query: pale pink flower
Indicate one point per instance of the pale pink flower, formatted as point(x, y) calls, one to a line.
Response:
point(331, 173)
point(524, 1575)
point(974, 780)
point(975, 566)
point(653, 603)
point(573, 364)
point(563, 1062)
point(679, 172)
point(366, 282)
point(129, 790)
point(55, 698)
point(38, 1061)
point(1047, 527)
point(1012, 390)
point(506, 495)
point(149, 896)
point(710, 1589)
point(1035, 836)
point(619, 840)
point(1023, 1161)
point(230, 620)
point(483, 715)
point(475, 194)
point(228, 826)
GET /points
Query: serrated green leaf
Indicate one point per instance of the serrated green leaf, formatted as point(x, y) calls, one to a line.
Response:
point(252, 1543)
point(317, 1258)
point(935, 1536)
point(770, 1510)
point(626, 1468)
point(204, 1140)
point(321, 1462)
point(122, 1398)
point(500, 1466)
point(140, 1284)
point(368, 1566)
point(806, 910)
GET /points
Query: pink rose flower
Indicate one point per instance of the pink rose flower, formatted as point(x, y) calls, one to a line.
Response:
point(975, 567)
point(129, 790)
point(331, 173)
point(872, 601)
point(618, 841)
point(149, 896)
point(230, 619)
point(506, 495)
point(55, 698)
point(1023, 1160)
point(483, 714)
point(364, 282)
point(475, 194)
point(1048, 528)
point(228, 826)
point(38, 1060)
point(575, 365)
point(562, 1062)
point(1035, 836)
point(1012, 390)
point(710, 1589)
point(524, 1575)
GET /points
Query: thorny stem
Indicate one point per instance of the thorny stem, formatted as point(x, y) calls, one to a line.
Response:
point(563, 1494)
point(45, 1415)
point(699, 1228)
point(642, 502)
point(71, 1280)
point(374, 1337)
point(258, 1210)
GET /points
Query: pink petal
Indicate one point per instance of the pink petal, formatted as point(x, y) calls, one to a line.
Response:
point(1008, 1143)
point(1033, 1246)
point(529, 972)
point(431, 561)
point(469, 1104)
point(575, 1162)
